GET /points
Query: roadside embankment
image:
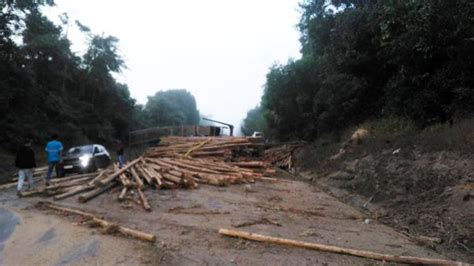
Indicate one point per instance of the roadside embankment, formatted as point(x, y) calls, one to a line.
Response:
point(420, 182)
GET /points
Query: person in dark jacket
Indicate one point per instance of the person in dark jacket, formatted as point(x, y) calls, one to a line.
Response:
point(120, 154)
point(25, 162)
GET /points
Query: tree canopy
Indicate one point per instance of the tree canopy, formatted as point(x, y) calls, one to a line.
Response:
point(253, 122)
point(171, 108)
point(47, 88)
point(368, 59)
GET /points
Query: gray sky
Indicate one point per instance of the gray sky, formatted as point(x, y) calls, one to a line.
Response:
point(219, 50)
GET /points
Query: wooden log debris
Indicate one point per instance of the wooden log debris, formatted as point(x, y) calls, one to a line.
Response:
point(203, 147)
point(340, 250)
point(176, 163)
point(123, 193)
point(106, 224)
point(95, 192)
point(282, 156)
point(143, 200)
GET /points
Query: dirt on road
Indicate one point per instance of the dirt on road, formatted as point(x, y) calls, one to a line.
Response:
point(186, 223)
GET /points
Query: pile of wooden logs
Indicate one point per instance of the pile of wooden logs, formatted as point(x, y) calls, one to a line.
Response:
point(169, 166)
point(218, 148)
point(282, 156)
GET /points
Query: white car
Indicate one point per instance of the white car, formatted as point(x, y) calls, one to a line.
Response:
point(257, 134)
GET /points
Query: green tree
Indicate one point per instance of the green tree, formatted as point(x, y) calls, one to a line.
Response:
point(254, 121)
point(366, 59)
point(49, 88)
point(171, 108)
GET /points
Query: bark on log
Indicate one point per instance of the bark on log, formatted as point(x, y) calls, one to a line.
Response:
point(169, 185)
point(156, 176)
point(32, 193)
point(15, 183)
point(73, 192)
point(143, 199)
point(249, 164)
point(123, 193)
point(96, 180)
point(196, 147)
point(95, 192)
point(139, 168)
point(138, 180)
point(125, 181)
point(335, 249)
point(9, 185)
point(124, 230)
point(73, 177)
point(119, 172)
point(190, 167)
point(75, 182)
point(172, 178)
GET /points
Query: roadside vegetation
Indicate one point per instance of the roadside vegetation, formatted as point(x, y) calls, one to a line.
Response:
point(402, 72)
point(369, 60)
point(46, 87)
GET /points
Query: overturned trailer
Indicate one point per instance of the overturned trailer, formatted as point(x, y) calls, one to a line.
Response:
point(153, 135)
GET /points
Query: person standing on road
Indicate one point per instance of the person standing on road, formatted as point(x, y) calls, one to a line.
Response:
point(25, 162)
point(54, 149)
point(120, 153)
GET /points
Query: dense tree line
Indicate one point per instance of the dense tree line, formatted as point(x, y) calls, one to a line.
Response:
point(45, 87)
point(171, 108)
point(254, 121)
point(367, 59)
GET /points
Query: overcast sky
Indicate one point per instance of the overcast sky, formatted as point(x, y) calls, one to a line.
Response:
point(219, 50)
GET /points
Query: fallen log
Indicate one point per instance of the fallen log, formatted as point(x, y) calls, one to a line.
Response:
point(119, 172)
point(143, 200)
point(32, 192)
point(8, 185)
point(173, 179)
point(73, 177)
point(124, 230)
point(95, 192)
point(125, 180)
point(211, 153)
point(73, 191)
point(190, 167)
point(155, 175)
point(96, 180)
point(335, 249)
point(138, 181)
point(123, 193)
point(15, 183)
point(72, 183)
point(141, 171)
point(196, 147)
point(254, 164)
point(169, 185)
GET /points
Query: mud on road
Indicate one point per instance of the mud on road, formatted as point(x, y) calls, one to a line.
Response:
point(186, 223)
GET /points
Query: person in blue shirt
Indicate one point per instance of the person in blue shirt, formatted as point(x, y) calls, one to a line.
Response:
point(54, 150)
